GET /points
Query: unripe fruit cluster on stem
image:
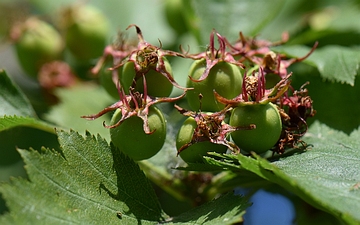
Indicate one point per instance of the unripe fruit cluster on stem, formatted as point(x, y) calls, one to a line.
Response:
point(86, 31)
point(36, 43)
point(72, 40)
point(230, 109)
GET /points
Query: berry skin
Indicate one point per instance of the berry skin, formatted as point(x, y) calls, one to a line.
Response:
point(157, 84)
point(131, 139)
point(267, 119)
point(195, 152)
point(225, 78)
point(36, 43)
point(175, 15)
point(106, 81)
point(86, 31)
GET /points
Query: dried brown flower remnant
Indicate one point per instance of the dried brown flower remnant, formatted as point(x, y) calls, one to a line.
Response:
point(211, 127)
point(295, 110)
point(134, 104)
point(56, 74)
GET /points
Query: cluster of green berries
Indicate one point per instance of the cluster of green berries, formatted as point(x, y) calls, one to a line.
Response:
point(49, 52)
point(231, 106)
point(239, 94)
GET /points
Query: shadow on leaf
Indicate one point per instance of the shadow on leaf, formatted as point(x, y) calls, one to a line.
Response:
point(133, 189)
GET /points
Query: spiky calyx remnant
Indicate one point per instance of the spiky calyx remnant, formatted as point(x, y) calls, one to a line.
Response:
point(254, 91)
point(294, 106)
point(213, 56)
point(211, 127)
point(134, 104)
point(294, 111)
point(144, 55)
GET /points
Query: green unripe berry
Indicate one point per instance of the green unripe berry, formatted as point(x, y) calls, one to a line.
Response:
point(194, 153)
point(224, 78)
point(157, 84)
point(268, 127)
point(175, 15)
point(86, 31)
point(131, 139)
point(106, 81)
point(36, 43)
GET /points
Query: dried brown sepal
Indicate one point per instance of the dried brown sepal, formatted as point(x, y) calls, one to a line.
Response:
point(254, 92)
point(134, 104)
point(279, 64)
point(259, 53)
point(56, 74)
point(147, 56)
point(210, 127)
point(213, 56)
point(252, 49)
point(116, 52)
point(294, 111)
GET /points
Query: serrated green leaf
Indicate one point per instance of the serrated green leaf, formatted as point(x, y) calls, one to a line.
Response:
point(201, 167)
point(227, 209)
point(8, 122)
point(335, 63)
point(337, 105)
point(327, 176)
point(12, 100)
point(19, 128)
point(329, 172)
point(230, 17)
point(233, 175)
point(89, 182)
point(211, 164)
point(22, 137)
